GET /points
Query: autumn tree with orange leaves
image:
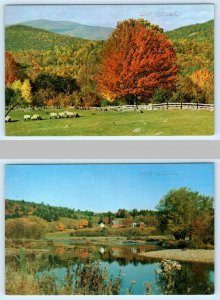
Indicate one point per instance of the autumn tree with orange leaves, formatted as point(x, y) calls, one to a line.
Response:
point(135, 60)
point(11, 68)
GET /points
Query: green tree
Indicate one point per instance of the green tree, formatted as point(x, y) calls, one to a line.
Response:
point(12, 97)
point(122, 213)
point(56, 83)
point(180, 208)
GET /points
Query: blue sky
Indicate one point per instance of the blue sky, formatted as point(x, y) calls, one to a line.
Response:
point(103, 187)
point(167, 16)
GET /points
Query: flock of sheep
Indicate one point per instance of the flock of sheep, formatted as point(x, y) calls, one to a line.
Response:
point(35, 117)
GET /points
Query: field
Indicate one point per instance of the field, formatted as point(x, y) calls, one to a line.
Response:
point(149, 123)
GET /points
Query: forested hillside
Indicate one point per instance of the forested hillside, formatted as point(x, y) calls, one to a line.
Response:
point(203, 31)
point(17, 209)
point(194, 46)
point(197, 218)
point(21, 37)
point(22, 208)
point(63, 70)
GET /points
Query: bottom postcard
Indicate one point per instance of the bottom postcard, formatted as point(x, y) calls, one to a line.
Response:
point(109, 229)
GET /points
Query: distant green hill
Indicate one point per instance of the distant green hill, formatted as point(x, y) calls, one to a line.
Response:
point(72, 29)
point(194, 47)
point(20, 37)
point(196, 31)
point(199, 32)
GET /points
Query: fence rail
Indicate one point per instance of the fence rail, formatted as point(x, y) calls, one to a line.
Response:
point(169, 106)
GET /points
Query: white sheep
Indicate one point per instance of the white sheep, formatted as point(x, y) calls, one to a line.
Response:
point(69, 114)
point(8, 119)
point(36, 117)
point(27, 117)
point(53, 116)
point(62, 115)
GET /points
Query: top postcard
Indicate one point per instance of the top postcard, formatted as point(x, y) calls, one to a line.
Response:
point(109, 70)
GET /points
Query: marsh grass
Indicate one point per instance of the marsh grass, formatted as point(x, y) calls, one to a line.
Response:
point(82, 278)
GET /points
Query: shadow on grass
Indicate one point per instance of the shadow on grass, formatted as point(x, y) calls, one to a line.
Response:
point(12, 121)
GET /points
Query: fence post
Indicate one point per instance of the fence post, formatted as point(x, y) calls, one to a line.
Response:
point(197, 105)
point(181, 105)
point(167, 105)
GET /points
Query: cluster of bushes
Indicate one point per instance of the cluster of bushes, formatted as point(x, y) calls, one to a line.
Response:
point(189, 244)
point(90, 233)
point(197, 87)
point(30, 227)
point(125, 232)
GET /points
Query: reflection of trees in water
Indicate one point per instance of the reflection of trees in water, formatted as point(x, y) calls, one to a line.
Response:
point(192, 279)
point(123, 256)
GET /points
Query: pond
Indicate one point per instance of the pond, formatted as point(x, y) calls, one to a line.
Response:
point(135, 271)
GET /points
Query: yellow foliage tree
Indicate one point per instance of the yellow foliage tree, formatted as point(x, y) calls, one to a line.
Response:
point(204, 82)
point(16, 85)
point(26, 91)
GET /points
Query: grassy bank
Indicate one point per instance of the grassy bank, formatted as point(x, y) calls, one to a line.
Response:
point(87, 278)
point(195, 255)
point(150, 123)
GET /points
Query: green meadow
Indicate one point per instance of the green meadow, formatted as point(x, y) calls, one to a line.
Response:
point(101, 123)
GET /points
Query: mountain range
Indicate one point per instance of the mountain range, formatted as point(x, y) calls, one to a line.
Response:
point(71, 29)
point(197, 31)
point(26, 37)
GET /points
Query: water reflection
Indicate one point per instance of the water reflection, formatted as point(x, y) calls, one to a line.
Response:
point(193, 278)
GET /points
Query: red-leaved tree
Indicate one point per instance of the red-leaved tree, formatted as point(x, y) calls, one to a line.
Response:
point(10, 68)
point(135, 60)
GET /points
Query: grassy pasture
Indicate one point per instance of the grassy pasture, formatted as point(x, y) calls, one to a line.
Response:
point(133, 123)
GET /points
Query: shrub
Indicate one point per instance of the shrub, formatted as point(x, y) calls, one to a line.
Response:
point(160, 96)
point(29, 227)
point(166, 276)
point(60, 227)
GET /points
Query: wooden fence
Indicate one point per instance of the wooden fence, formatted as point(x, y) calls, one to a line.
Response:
point(169, 106)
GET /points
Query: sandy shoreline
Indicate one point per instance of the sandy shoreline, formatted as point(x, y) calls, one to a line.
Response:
point(200, 255)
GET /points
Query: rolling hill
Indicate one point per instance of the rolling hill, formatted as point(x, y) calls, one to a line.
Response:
point(20, 37)
point(196, 31)
point(71, 29)
point(199, 32)
point(21, 208)
point(194, 47)
point(45, 36)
